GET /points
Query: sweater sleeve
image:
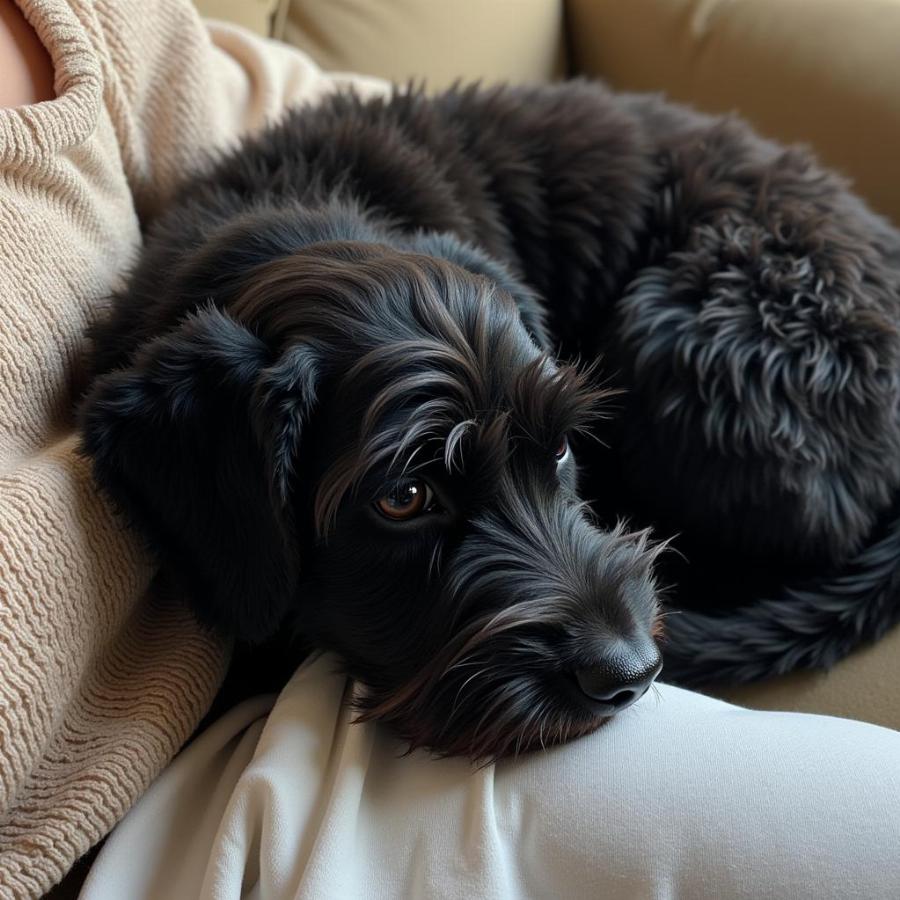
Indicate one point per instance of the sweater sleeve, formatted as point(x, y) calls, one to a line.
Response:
point(183, 88)
point(103, 673)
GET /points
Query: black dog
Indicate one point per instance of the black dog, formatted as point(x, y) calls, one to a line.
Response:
point(331, 393)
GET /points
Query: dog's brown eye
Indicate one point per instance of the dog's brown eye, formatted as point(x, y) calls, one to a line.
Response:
point(406, 500)
point(562, 449)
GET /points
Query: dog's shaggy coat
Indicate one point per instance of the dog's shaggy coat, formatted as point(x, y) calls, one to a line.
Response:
point(742, 302)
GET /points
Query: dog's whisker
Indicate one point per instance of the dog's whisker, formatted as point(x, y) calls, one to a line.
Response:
point(483, 671)
point(434, 563)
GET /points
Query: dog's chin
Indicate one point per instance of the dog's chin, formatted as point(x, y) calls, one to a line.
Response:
point(504, 722)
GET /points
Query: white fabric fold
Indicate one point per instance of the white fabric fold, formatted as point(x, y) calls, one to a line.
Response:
point(680, 796)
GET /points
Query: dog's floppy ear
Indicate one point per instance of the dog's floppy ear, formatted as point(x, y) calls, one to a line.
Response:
point(194, 440)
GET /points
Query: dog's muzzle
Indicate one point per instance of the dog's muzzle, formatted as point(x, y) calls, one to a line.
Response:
point(621, 677)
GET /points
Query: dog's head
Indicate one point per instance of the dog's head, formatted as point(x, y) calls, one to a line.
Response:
point(369, 445)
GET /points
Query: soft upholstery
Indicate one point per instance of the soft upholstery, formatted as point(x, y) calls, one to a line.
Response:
point(503, 40)
point(257, 15)
point(862, 686)
point(824, 72)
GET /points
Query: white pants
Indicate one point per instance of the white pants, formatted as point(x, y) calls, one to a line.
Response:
point(679, 796)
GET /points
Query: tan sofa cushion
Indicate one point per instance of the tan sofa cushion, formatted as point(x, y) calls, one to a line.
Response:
point(825, 72)
point(257, 15)
point(493, 40)
point(865, 686)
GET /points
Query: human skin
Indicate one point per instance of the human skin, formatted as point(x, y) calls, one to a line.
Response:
point(26, 71)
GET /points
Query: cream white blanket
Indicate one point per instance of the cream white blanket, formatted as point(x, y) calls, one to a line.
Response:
point(680, 796)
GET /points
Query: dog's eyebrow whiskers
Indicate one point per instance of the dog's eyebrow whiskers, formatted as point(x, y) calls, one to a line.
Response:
point(550, 401)
point(409, 460)
point(454, 441)
point(420, 383)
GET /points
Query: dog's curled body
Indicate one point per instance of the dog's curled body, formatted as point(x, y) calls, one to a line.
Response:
point(375, 291)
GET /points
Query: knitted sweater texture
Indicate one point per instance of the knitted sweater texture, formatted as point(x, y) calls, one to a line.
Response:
point(103, 674)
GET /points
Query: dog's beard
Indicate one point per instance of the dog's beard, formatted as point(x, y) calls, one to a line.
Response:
point(486, 705)
point(503, 682)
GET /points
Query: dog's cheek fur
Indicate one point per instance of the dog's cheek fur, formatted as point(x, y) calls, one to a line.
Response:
point(761, 355)
point(366, 595)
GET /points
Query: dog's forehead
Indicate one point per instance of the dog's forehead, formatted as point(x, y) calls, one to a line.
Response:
point(448, 376)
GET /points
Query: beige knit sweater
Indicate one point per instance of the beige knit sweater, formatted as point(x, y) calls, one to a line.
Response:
point(103, 675)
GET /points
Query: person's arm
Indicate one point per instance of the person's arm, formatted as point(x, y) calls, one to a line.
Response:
point(103, 674)
point(26, 72)
point(186, 88)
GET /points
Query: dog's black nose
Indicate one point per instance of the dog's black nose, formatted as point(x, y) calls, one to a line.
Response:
point(622, 677)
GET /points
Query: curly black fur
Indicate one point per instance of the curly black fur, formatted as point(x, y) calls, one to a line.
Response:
point(374, 288)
